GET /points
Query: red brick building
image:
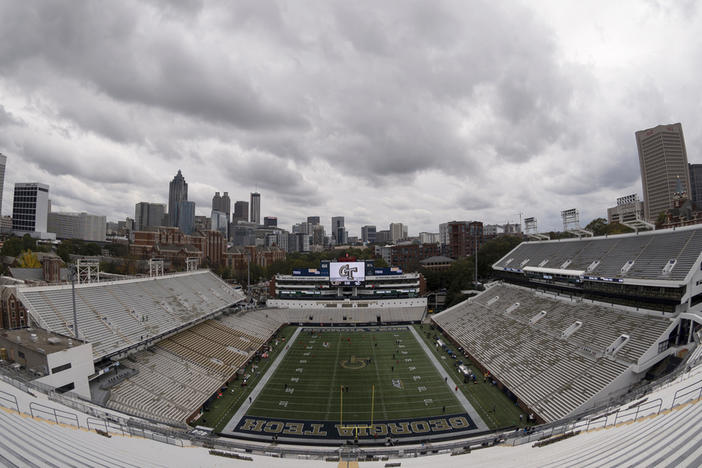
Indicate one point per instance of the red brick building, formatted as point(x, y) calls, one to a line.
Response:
point(236, 258)
point(12, 313)
point(407, 256)
point(464, 237)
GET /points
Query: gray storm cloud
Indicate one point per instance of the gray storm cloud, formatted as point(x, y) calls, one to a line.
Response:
point(396, 111)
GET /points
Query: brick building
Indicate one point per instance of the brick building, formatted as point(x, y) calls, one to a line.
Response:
point(407, 256)
point(464, 237)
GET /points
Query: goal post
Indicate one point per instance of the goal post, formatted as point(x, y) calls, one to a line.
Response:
point(355, 427)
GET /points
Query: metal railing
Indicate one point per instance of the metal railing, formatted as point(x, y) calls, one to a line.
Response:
point(178, 435)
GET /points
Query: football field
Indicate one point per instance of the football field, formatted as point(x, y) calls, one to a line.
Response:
point(341, 378)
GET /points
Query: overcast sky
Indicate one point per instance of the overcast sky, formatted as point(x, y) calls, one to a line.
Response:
point(393, 111)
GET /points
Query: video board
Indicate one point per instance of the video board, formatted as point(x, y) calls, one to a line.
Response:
point(347, 272)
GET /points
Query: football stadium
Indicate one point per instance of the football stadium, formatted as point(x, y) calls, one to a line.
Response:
point(581, 351)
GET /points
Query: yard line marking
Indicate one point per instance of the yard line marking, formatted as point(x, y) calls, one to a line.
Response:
point(332, 383)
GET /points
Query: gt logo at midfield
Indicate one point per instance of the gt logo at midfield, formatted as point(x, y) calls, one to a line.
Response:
point(347, 271)
point(354, 363)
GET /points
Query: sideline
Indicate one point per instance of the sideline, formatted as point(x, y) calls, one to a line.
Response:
point(452, 385)
point(231, 425)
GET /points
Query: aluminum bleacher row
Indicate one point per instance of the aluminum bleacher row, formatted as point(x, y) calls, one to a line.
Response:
point(347, 315)
point(352, 314)
point(180, 373)
point(116, 315)
point(649, 251)
point(551, 373)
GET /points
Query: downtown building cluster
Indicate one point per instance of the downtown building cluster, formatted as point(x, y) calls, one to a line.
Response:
point(235, 231)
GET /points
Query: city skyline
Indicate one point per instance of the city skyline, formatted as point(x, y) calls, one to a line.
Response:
point(568, 95)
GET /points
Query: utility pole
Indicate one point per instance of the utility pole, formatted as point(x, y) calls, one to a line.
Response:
point(476, 261)
point(73, 290)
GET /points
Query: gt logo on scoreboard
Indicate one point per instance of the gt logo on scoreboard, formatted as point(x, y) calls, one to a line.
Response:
point(347, 271)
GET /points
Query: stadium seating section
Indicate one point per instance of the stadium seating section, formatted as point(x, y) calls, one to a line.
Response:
point(180, 373)
point(530, 352)
point(650, 253)
point(116, 315)
point(342, 315)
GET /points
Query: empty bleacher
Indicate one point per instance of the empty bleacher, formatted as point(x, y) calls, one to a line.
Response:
point(650, 252)
point(179, 374)
point(348, 315)
point(552, 372)
point(118, 314)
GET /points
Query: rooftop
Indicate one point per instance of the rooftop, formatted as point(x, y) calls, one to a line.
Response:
point(39, 340)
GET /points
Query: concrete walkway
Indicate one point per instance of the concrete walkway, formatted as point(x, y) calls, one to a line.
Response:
point(231, 425)
point(450, 382)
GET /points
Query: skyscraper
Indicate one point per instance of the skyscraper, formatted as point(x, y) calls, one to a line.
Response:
point(397, 232)
point(148, 215)
point(3, 163)
point(177, 193)
point(241, 211)
point(30, 207)
point(219, 222)
point(338, 231)
point(226, 205)
point(695, 192)
point(255, 208)
point(222, 205)
point(186, 216)
point(663, 159)
point(313, 220)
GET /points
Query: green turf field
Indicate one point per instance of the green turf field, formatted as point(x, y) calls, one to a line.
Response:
point(307, 384)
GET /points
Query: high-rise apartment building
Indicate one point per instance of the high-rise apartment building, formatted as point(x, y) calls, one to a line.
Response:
point(3, 163)
point(186, 216)
point(368, 234)
point(428, 237)
point(77, 226)
point(255, 208)
point(241, 211)
point(695, 189)
point(663, 159)
point(177, 193)
point(338, 230)
point(313, 220)
point(397, 232)
point(464, 238)
point(30, 207)
point(148, 215)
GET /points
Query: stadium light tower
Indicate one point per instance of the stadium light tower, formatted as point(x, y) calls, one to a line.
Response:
point(571, 223)
point(532, 231)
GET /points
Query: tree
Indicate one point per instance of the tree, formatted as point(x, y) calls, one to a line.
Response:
point(14, 245)
point(28, 259)
point(597, 226)
point(600, 227)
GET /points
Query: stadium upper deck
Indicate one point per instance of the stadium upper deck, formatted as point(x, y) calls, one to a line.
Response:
point(669, 256)
point(118, 316)
point(657, 270)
